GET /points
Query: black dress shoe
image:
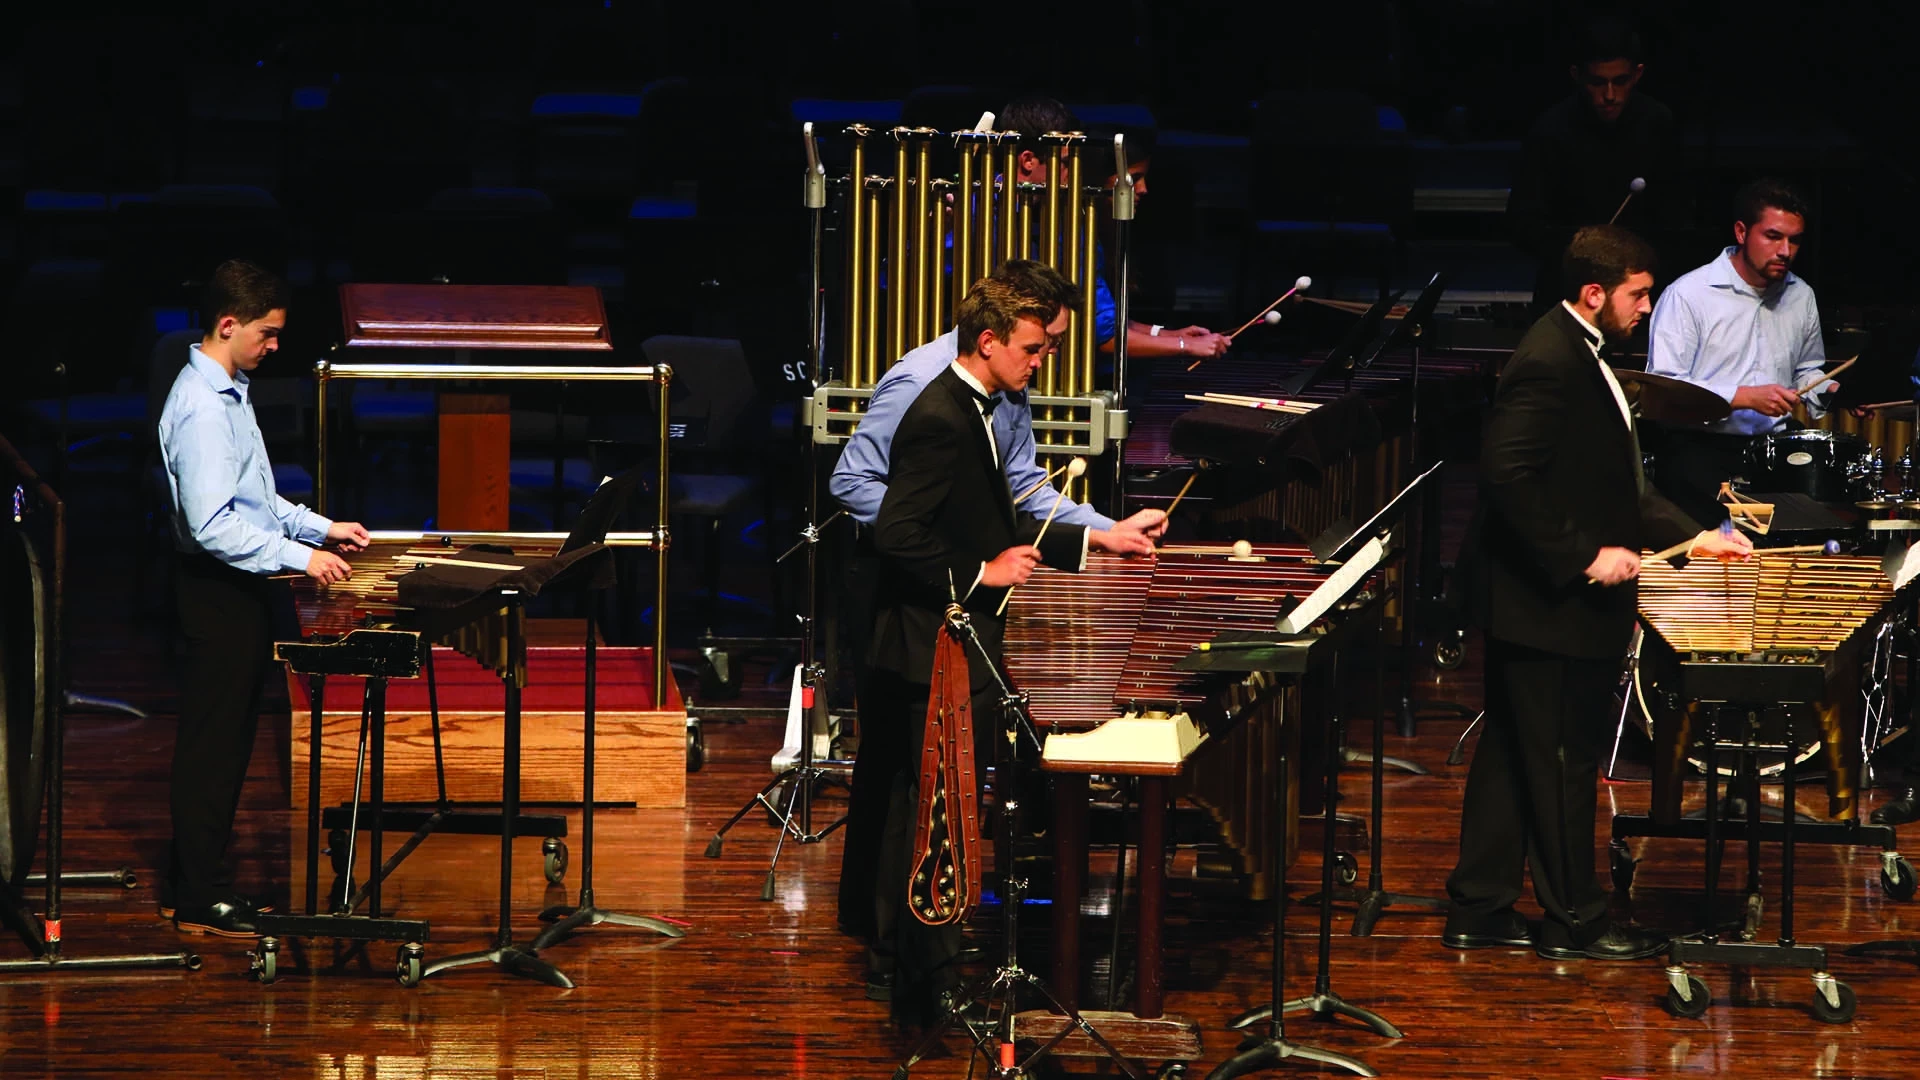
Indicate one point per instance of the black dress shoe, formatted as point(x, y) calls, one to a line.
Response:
point(223, 919)
point(1511, 932)
point(1618, 943)
point(879, 986)
point(1897, 812)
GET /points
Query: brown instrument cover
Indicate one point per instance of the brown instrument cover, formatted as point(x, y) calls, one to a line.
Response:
point(944, 884)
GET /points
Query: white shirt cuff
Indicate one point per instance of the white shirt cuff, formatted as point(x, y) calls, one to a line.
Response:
point(1086, 537)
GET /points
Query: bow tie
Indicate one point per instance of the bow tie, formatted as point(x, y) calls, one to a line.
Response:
point(987, 403)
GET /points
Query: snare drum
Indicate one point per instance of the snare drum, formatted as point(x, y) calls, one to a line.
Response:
point(1827, 466)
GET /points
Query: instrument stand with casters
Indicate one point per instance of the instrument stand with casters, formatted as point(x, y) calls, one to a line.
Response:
point(567, 919)
point(794, 815)
point(995, 1040)
point(1687, 996)
point(375, 656)
point(509, 957)
point(1372, 902)
point(42, 938)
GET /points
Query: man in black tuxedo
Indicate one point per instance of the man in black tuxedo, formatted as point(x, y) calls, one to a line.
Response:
point(1564, 513)
point(947, 532)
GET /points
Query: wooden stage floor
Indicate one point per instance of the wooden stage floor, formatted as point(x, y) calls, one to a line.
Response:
point(773, 989)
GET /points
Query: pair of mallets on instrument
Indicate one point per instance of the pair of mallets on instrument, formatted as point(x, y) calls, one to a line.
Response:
point(1266, 314)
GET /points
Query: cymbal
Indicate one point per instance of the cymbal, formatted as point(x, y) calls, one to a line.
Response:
point(1670, 401)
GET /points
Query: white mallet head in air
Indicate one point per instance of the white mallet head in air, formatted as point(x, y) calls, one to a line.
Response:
point(1302, 283)
point(1639, 185)
point(1272, 318)
point(1076, 468)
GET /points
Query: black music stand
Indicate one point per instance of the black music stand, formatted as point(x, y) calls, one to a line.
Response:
point(1009, 978)
point(595, 519)
point(1424, 566)
point(43, 939)
point(1255, 653)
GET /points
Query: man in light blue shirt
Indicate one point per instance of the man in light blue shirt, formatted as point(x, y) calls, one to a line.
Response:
point(1746, 328)
point(231, 530)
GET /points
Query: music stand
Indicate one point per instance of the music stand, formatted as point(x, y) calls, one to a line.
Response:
point(1424, 564)
point(1345, 355)
point(1265, 1052)
point(596, 518)
point(1007, 979)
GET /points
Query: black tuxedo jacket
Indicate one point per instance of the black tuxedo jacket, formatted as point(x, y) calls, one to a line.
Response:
point(1560, 479)
point(946, 511)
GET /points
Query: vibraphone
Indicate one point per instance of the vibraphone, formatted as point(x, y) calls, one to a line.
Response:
point(1752, 659)
point(1087, 647)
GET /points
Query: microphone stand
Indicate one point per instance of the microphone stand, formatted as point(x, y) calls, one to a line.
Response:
point(794, 815)
point(994, 1039)
point(1122, 241)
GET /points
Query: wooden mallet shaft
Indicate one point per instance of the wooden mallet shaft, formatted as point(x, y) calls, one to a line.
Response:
point(1042, 482)
point(1825, 376)
point(1075, 467)
point(1195, 475)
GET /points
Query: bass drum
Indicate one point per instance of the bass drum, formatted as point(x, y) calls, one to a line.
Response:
point(24, 701)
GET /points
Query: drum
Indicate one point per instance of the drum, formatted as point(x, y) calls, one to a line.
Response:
point(1826, 466)
point(24, 701)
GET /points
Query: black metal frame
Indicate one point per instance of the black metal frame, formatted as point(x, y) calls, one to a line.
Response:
point(44, 939)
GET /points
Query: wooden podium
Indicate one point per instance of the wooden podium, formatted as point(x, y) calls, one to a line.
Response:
point(475, 430)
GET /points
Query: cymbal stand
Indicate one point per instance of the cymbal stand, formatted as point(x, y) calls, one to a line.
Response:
point(42, 937)
point(794, 815)
point(1265, 1052)
point(994, 1039)
point(511, 958)
point(565, 920)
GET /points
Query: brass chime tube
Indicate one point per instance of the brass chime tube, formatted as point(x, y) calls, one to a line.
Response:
point(875, 219)
point(1013, 218)
point(938, 221)
point(1050, 144)
point(899, 272)
point(1089, 341)
point(856, 368)
point(1078, 269)
point(926, 238)
point(963, 224)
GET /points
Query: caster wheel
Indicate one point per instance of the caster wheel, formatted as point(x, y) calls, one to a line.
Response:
point(193, 961)
point(406, 964)
point(555, 865)
point(696, 746)
point(1171, 1070)
point(1897, 881)
point(1346, 869)
point(1827, 1012)
point(1449, 653)
point(1622, 863)
point(337, 852)
point(1691, 1007)
point(264, 963)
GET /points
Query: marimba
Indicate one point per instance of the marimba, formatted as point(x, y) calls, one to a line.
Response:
point(1090, 646)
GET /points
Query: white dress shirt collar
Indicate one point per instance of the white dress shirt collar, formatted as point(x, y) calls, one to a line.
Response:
point(977, 387)
point(1594, 340)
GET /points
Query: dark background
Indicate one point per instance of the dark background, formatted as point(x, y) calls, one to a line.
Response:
point(418, 141)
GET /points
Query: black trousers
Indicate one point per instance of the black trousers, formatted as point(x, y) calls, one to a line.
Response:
point(1691, 467)
point(1532, 790)
point(228, 617)
point(882, 753)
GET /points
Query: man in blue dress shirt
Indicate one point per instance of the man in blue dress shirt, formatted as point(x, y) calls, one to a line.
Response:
point(860, 482)
point(231, 531)
point(1746, 328)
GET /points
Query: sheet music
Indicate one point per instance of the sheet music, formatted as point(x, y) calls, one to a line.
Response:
point(1336, 586)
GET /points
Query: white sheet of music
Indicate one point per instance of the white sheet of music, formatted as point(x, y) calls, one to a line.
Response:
point(1337, 585)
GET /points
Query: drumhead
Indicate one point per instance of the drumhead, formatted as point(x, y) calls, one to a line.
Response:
point(24, 699)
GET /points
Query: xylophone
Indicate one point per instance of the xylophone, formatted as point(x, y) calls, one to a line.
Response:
point(1734, 657)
